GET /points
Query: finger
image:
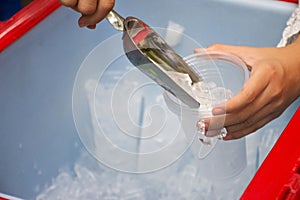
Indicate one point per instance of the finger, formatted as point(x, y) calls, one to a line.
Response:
point(247, 116)
point(103, 8)
point(247, 54)
point(208, 131)
point(238, 110)
point(212, 133)
point(269, 99)
point(259, 116)
point(272, 102)
point(92, 26)
point(87, 7)
point(251, 129)
point(69, 3)
point(253, 87)
point(213, 124)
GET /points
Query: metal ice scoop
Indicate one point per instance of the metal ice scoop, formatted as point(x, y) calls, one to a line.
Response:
point(153, 56)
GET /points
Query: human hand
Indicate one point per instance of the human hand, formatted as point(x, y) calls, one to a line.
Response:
point(273, 85)
point(93, 11)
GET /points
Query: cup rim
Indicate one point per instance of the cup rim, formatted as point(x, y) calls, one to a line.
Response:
point(217, 55)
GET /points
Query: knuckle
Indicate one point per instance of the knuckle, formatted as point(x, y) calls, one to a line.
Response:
point(248, 122)
point(68, 3)
point(250, 95)
point(276, 115)
point(277, 89)
point(235, 136)
point(274, 68)
point(242, 133)
point(276, 94)
point(278, 97)
point(87, 9)
point(216, 47)
point(252, 130)
point(108, 5)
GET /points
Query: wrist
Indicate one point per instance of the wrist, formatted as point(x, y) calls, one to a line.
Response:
point(291, 61)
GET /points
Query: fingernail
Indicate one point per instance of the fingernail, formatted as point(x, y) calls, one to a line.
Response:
point(199, 50)
point(228, 137)
point(222, 134)
point(83, 24)
point(211, 133)
point(91, 26)
point(201, 126)
point(218, 111)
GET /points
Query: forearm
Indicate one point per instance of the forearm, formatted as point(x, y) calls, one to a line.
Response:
point(290, 58)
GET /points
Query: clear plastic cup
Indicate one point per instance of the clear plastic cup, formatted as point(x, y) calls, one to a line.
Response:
point(219, 159)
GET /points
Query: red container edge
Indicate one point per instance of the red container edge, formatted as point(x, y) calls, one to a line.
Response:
point(290, 1)
point(278, 171)
point(24, 20)
point(31, 15)
point(279, 175)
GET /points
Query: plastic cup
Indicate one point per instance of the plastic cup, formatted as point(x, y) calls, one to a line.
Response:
point(219, 159)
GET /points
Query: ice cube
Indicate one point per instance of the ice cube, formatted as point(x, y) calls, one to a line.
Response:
point(186, 180)
point(174, 33)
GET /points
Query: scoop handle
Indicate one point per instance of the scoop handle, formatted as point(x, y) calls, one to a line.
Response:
point(116, 20)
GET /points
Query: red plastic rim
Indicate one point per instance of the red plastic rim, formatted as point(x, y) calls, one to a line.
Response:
point(31, 15)
point(276, 172)
point(291, 1)
point(24, 20)
point(279, 169)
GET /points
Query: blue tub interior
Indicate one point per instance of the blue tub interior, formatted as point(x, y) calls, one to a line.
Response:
point(37, 73)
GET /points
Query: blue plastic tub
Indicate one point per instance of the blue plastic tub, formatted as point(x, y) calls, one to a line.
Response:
point(37, 74)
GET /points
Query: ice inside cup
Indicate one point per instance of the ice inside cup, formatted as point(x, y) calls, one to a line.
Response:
point(223, 77)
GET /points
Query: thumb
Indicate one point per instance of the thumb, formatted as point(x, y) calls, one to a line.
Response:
point(247, 54)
